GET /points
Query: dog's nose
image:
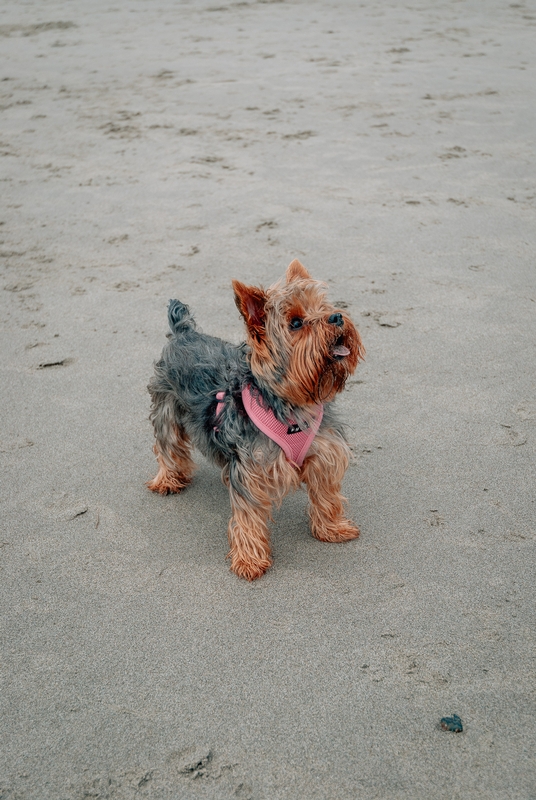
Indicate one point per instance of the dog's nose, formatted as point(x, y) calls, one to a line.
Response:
point(336, 319)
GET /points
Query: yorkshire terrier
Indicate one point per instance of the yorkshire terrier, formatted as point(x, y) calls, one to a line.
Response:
point(261, 411)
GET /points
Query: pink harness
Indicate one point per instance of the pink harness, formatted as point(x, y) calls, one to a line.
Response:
point(294, 442)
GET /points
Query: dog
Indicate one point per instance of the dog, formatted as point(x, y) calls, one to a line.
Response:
point(261, 411)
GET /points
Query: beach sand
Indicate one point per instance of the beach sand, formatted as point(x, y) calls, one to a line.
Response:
point(153, 150)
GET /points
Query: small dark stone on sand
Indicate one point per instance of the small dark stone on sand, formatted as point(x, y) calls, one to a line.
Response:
point(453, 724)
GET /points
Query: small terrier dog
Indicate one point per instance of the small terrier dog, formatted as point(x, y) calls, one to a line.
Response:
point(261, 411)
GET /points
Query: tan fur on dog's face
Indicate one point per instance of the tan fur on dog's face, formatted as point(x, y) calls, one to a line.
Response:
point(295, 350)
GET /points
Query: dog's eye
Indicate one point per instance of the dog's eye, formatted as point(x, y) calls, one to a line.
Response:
point(295, 323)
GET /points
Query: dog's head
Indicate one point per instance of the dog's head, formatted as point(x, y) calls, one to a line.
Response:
point(302, 347)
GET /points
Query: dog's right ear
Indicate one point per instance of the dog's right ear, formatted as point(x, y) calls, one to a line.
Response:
point(251, 301)
point(295, 271)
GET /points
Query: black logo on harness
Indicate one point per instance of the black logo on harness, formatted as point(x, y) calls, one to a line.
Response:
point(293, 429)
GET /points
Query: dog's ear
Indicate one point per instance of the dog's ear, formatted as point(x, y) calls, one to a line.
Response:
point(296, 270)
point(251, 301)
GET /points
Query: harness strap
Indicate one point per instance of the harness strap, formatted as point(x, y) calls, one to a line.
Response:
point(294, 441)
point(220, 397)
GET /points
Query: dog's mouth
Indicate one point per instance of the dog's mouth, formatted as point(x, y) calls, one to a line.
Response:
point(339, 350)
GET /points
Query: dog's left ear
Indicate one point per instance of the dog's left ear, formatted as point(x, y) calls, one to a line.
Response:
point(251, 301)
point(296, 270)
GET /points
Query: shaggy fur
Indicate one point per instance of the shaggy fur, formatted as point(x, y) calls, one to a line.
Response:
point(299, 352)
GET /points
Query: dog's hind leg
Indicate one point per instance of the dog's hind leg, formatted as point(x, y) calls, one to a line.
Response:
point(172, 447)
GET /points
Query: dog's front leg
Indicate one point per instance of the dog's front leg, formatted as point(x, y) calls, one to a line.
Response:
point(249, 537)
point(322, 472)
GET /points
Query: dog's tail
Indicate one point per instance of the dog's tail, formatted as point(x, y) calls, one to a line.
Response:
point(179, 317)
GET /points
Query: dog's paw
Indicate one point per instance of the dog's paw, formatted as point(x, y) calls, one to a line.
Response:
point(164, 483)
point(250, 570)
point(341, 531)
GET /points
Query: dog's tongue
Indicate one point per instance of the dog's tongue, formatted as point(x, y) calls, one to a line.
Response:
point(340, 350)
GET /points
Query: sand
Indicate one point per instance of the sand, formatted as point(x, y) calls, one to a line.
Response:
point(159, 149)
